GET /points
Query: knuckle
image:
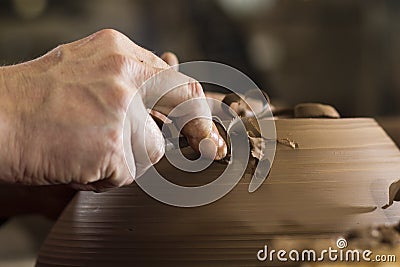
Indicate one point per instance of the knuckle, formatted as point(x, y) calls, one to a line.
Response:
point(59, 51)
point(114, 40)
point(110, 40)
point(54, 56)
point(89, 177)
point(109, 34)
point(195, 89)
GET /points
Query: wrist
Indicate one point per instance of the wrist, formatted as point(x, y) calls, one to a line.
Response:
point(7, 129)
point(20, 98)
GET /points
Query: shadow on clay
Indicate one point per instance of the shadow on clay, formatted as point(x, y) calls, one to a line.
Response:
point(394, 194)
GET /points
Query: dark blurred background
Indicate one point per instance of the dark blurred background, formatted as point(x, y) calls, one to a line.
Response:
point(341, 52)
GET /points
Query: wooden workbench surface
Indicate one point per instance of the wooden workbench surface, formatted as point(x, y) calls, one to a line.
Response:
point(337, 179)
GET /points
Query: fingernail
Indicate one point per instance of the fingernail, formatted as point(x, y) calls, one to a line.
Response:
point(219, 141)
point(222, 149)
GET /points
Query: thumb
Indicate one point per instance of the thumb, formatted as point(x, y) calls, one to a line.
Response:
point(147, 141)
point(182, 98)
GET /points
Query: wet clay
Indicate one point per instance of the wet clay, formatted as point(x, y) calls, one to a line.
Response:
point(336, 180)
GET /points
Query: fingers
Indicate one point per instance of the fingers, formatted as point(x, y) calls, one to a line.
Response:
point(100, 186)
point(203, 137)
point(183, 99)
point(199, 129)
point(164, 89)
point(119, 174)
point(171, 59)
point(144, 146)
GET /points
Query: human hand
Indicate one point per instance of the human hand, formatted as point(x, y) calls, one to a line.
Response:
point(63, 113)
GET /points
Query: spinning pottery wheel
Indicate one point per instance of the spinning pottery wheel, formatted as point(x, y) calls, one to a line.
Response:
point(336, 180)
